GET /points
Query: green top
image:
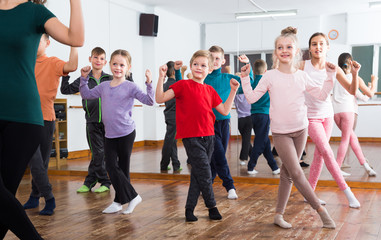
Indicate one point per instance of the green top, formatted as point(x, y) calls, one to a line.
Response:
point(20, 32)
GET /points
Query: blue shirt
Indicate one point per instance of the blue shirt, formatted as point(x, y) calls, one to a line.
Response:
point(263, 104)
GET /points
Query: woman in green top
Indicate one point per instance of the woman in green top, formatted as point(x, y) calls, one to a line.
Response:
point(22, 23)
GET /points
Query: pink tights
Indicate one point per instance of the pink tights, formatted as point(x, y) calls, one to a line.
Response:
point(345, 121)
point(319, 131)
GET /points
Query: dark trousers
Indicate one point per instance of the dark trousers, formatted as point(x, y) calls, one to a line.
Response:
point(169, 150)
point(39, 164)
point(262, 144)
point(97, 170)
point(18, 142)
point(199, 151)
point(219, 164)
point(244, 127)
point(117, 155)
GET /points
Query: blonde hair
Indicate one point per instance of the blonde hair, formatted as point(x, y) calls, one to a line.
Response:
point(288, 32)
point(124, 54)
point(203, 53)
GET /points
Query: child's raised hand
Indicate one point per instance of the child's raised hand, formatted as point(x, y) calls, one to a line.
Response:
point(148, 76)
point(85, 71)
point(163, 71)
point(178, 64)
point(330, 67)
point(355, 67)
point(243, 58)
point(234, 84)
point(373, 79)
point(245, 71)
point(184, 68)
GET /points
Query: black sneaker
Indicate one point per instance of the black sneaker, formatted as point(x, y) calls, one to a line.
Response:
point(303, 164)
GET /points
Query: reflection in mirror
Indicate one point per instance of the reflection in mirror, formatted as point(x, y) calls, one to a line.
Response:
point(253, 38)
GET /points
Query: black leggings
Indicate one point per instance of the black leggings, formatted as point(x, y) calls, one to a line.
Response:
point(117, 157)
point(18, 142)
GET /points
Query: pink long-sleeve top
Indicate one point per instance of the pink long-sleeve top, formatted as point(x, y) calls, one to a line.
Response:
point(288, 112)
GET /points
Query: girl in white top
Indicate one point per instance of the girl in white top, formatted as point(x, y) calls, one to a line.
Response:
point(320, 115)
point(286, 86)
point(345, 107)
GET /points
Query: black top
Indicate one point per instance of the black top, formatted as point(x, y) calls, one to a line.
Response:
point(170, 106)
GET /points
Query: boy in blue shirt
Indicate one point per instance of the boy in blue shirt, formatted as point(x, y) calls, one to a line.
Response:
point(221, 83)
point(261, 125)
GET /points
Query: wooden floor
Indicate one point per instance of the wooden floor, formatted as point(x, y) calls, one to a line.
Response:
point(145, 163)
point(161, 214)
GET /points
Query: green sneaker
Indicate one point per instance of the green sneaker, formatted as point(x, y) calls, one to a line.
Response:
point(83, 189)
point(102, 189)
point(168, 168)
point(178, 170)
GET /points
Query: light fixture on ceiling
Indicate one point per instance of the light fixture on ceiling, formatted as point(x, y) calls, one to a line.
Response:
point(375, 4)
point(280, 13)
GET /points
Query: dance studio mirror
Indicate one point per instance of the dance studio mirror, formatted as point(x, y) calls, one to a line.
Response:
point(119, 28)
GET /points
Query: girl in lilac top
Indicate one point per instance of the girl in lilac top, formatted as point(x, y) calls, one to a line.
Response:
point(117, 99)
point(286, 86)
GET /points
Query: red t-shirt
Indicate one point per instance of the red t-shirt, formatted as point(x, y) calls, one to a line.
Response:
point(194, 103)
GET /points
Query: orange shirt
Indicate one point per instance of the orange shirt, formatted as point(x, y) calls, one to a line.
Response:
point(48, 71)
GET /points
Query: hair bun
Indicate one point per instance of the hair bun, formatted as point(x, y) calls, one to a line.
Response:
point(289, 30)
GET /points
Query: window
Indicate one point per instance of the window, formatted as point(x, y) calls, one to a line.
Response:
point(370, 59)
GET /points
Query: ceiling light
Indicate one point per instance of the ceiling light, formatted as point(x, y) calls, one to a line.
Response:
point(280, 13)
point(374, 4)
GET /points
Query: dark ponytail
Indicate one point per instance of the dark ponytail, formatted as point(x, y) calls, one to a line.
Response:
point(38, 1)
point(343, 61)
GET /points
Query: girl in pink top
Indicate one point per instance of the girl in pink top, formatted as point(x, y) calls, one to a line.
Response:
point(344, 106)
point(320, 115)
point(286, 86)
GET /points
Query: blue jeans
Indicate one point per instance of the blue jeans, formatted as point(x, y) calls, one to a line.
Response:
point(219, 164)
point(262, 145)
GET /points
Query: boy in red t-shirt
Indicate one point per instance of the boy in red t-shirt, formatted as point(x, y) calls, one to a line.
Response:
point(48, 71)
point(195, 125)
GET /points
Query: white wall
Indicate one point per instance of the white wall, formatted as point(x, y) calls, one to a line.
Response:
point(112, 25)
point(257, 35)
point(363, 28)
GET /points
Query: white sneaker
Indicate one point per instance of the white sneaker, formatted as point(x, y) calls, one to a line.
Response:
point(345, 174)
point(276, 172)
point(232, 194)
point(252, 172)
point(367, 160)
point(371, 172)
point(242, 163)
point(113, 208)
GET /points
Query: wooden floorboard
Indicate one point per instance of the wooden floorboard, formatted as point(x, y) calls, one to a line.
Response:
point(161, 213)
point(145, 163)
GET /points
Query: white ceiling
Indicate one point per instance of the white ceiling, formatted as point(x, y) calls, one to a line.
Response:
point(215, 11)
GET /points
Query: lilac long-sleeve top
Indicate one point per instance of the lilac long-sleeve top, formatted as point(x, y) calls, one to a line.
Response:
point(288, 112)
point(116, 104)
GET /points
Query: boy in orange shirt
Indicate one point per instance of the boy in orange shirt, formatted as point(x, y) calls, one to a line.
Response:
point(48, 71)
